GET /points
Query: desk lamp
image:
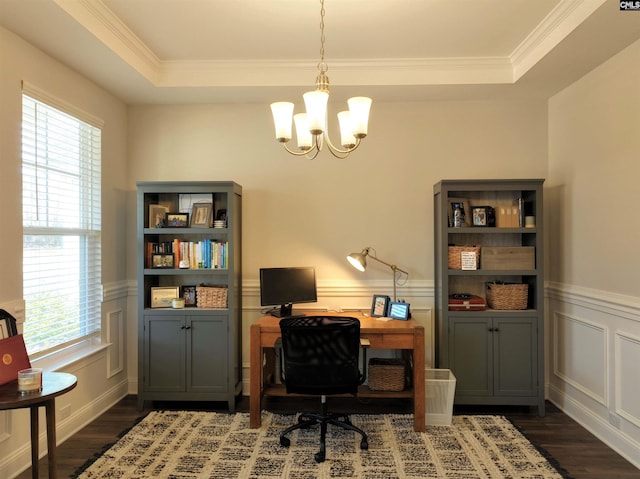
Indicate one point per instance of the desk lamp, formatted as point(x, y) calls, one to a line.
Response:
point(359, 262)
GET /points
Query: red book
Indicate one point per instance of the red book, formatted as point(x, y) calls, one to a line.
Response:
point(13, 358)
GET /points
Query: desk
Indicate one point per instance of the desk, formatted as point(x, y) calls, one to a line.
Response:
point(394, 334)
point(53, 385)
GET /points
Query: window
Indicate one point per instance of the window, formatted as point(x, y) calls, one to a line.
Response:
point(61, 226)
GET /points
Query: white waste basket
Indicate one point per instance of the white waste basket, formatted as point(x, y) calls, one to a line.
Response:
point(441, 389)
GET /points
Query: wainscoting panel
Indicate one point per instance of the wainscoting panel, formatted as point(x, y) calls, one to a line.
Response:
point(627, 389)
point(593, 368)
point(580, 357)
point(115, 338)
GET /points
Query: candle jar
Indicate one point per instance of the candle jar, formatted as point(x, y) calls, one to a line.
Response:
point(29, 380)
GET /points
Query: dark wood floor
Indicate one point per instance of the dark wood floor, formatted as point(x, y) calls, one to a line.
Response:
point(576, 450)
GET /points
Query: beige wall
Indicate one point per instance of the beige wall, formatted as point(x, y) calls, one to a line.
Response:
point(302, 212)
point(102, 376)
point(593, 288)
point(594, 169)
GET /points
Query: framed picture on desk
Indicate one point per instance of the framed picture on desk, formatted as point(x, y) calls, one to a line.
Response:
point(379, 305)
point(399, 310)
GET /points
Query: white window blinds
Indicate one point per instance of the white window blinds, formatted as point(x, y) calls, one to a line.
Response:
point(61, 227)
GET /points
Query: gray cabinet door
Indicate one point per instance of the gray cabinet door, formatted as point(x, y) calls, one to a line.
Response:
point(208, 354)
point(470, 356)
point(164, 353)
point(515, 356)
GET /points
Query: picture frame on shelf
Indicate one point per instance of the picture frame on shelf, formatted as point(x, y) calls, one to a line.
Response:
point(379, 305)
point(399, 310)
point(483, 216)
point(189, 293)
point(177, 220)
point(162, 260)
point(163, 296)
point(464, 206)
point(201, 215)
point(157, 216)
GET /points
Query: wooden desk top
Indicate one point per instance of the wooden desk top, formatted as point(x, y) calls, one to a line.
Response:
point(368, 324)
point(53, 385)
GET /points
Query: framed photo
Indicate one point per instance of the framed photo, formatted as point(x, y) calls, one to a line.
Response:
point(221, 214)
point(483, 216)
point(463, 203)
point(157, 216)
point(4, 329)
point(161, 297)
point(399, 310)
point(189, 294)
point(177, 220)
point(162, 260)
point(379, 306)
point(201, 215)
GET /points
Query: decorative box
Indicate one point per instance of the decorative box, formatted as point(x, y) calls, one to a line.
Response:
point(506, 257)
point(466, 302)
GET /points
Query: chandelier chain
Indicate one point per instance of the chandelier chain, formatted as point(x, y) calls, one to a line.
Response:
point(322, 66)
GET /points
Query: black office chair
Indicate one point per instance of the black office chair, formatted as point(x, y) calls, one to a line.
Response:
point(321, 358)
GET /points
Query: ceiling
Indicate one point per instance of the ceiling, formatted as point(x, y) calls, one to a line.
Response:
point(177, 51)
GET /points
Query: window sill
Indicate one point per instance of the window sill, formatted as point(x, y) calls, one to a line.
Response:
point(71, 356)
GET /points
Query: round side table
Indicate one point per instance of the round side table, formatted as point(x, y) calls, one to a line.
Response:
point(53, 385)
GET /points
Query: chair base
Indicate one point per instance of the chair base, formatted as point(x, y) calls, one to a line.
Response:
point(306, 420)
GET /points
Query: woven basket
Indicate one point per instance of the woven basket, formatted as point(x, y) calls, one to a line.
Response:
point(386, 374)
point(507, 295)
point(455, 258)
point(209, 296)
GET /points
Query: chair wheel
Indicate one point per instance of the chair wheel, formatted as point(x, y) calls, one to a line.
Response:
point(319, 456)
point(285, 442)
point(364, 445)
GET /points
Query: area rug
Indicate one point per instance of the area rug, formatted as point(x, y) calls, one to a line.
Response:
point(208, 445)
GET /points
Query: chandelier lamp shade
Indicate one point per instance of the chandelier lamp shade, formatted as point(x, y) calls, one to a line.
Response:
point(359, 262)
point(312, 126)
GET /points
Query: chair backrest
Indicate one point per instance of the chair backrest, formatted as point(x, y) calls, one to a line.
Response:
point(321, 354)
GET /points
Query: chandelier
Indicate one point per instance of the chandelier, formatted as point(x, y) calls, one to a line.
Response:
point(312, 127)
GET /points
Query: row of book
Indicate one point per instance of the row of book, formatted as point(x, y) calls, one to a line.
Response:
point(205, 254)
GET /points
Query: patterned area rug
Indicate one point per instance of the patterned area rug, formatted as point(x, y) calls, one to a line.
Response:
point(207, 445)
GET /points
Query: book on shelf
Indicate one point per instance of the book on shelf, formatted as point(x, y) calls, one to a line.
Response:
point(205, 254)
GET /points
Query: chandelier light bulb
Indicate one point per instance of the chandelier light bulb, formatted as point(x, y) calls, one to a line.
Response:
point(312, 127)
point(282, 111)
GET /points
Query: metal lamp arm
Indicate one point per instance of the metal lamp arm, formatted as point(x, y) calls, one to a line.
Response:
point(392, 266)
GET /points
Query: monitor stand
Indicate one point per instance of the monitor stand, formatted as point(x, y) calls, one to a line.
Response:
point(285, 310)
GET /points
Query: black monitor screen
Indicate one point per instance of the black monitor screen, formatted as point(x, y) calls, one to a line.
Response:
point(286, 286)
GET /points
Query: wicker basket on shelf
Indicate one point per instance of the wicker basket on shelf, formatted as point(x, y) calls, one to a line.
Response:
point(211, 296)
point(455, 255)
point(386, 374)
point(507, 295)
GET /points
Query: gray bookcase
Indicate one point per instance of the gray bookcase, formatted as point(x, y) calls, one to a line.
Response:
point(192, 353)
point(497, 355)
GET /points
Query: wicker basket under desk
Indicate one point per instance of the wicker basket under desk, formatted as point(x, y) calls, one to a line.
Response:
point(386, 374)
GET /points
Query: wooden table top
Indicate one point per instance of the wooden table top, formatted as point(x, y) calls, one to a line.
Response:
point(53, 384)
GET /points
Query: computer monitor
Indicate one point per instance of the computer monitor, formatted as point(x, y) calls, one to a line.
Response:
point(285, 287)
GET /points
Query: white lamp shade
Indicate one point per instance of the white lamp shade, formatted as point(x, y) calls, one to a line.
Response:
point(359, 107)
point(316, 105)
point(346, 130)
point(282, 112)
point(358, 261)
point(302, 131)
